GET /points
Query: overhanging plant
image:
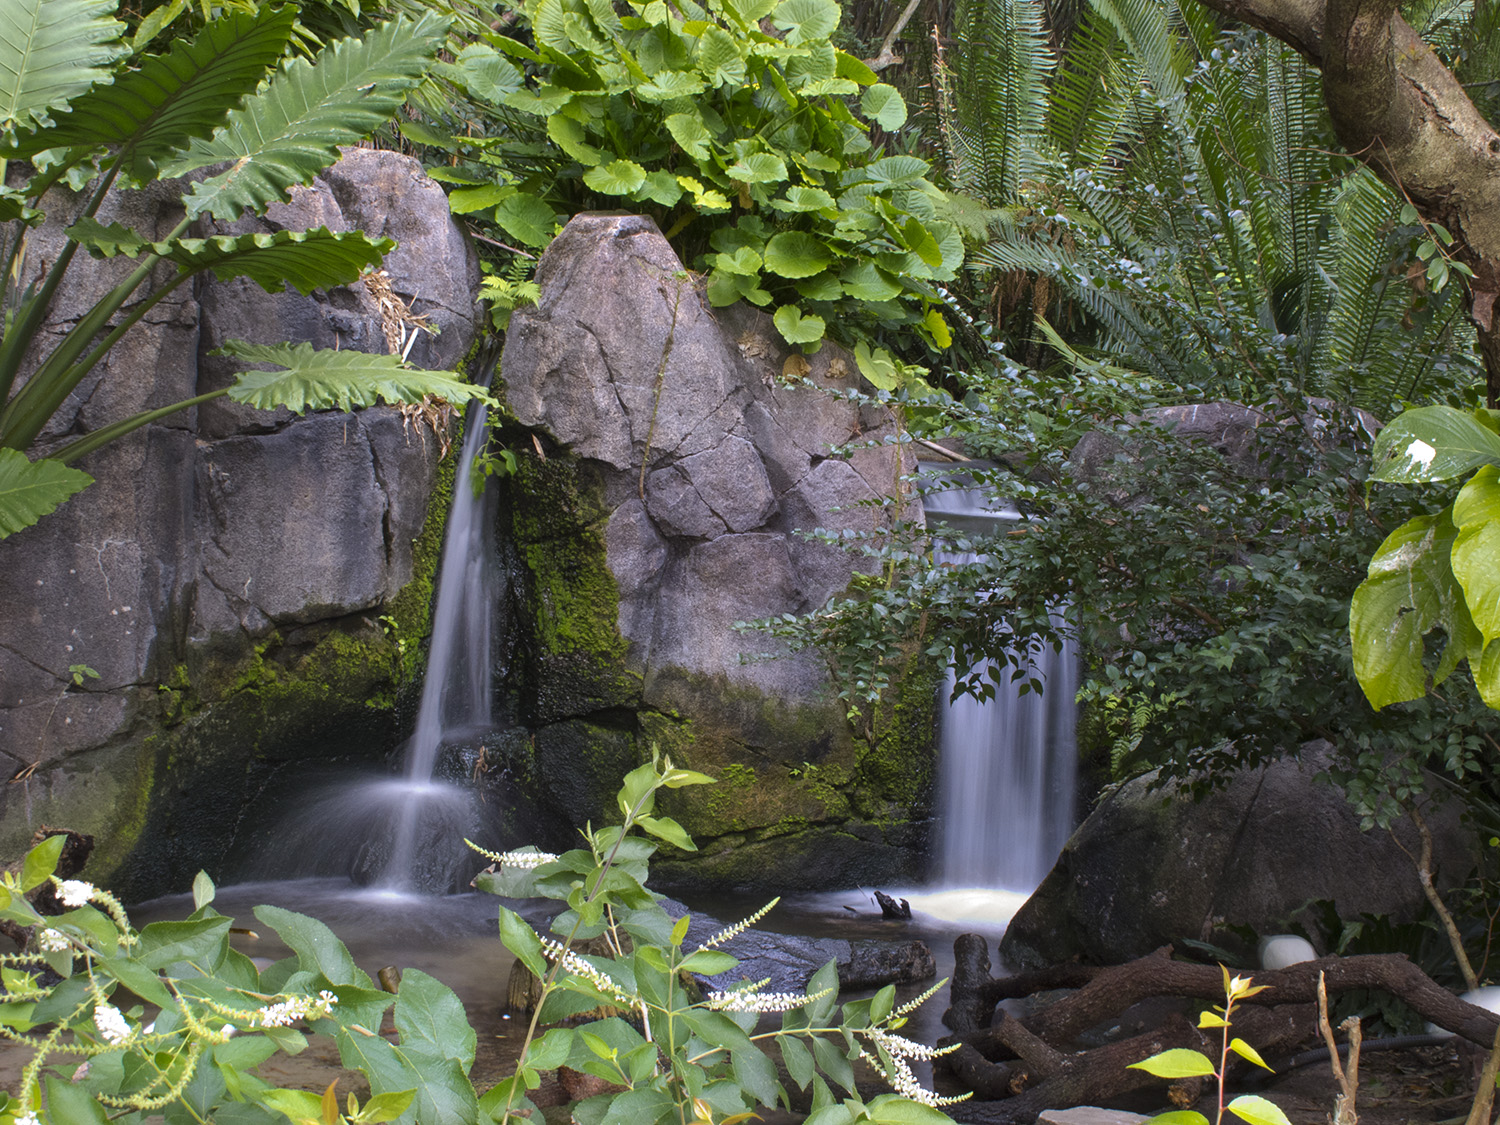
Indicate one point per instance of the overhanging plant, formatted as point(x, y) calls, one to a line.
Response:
point(740, 128)
point(87, 112)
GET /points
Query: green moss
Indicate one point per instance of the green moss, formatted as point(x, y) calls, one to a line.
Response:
point(408, 616)
point(895, 774)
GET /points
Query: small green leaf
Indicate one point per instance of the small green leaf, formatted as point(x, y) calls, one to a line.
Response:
point(386, 1107)
point(680, 929)
point(30, 490)
point(719, 58)
point(203, 890)
point(521, 940)
point(665, 828)
point(709, 962)
point(689, 131)
point(758, 168)
point(805, 21)
point(527, 219)
point(569, 135)
point(1257, 1110)
point(41, 862)
point(1245, 1051)
point(1179, 1117)
point(1179, 1062)
point(670, 86)
point(796, 328)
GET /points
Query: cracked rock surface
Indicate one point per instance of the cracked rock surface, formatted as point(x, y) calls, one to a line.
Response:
point(219, 531)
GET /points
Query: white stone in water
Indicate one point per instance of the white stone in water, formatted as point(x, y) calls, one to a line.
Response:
point(1089, 1115)
point(1278, 951)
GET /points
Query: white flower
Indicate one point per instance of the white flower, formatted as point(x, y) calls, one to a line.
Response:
point(75, 892)
point(525, 859)
point(739, 927)
point(294, 1008)
point(51, 941)
point(111, 1024)
point(27, 1118)
point(1420, 453)
point(760, 1001)
point(576, 965)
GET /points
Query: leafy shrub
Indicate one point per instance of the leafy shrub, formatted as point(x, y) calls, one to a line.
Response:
point(749, 145)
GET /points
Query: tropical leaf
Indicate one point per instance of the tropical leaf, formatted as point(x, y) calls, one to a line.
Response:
point(293, 127)
point(51, 51)
point(618, 177)
point(306, 260)
point(795, 328)
point(719, 58)
point(1411, 590)
point(169, 100)
point(526, 218)
point(1433, 443)
point(796, 254)
point(30, 490)
point(806, 20)
point(329, 380)
point(883, 105)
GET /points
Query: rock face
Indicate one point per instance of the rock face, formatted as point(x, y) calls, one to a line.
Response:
point(679, 470)
point(1150, 867)
point(225, 573)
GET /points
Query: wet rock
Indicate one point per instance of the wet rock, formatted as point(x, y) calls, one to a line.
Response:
point(1152, 866)
point(699, 471)
point(225, 574)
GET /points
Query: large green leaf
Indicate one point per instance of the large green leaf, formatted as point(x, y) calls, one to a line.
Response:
point(327, 380)
point(430, 1016)
point(170, 100)
point(30, 490)
point(316, 947)
point(306, 260)
point(796, 254)
point(1410, 590)
point(292, 128)
point(51, 51)
point(1433, 443)
point(1476, 550)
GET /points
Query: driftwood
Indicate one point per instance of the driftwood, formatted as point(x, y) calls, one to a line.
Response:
point(70, 863)
point(1019, 1067)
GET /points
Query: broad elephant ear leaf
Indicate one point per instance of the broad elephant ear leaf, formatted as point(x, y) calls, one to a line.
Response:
point(169, 100)
point(51, 51)
point(292, 129)
point(327, 380)
point(30, 490)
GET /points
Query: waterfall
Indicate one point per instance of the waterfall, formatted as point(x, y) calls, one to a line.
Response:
point(1006, 766)
point(405, 833)
point(458, 689)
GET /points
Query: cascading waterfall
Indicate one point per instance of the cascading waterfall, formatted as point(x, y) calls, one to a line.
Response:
point(457, 693)
point(1007, 766)
point(405, 833)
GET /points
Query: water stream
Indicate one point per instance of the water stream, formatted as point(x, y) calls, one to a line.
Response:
point(404, 833)
point(1007, 766)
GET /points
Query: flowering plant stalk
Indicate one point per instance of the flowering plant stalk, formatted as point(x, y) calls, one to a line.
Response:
point(679, 1055)
point(172, 1023)
point(1180, 1062)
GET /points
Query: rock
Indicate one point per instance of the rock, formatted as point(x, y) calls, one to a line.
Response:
point(228, 607)
point(680, 470)
point(873, 964)
point(1089, 1115)
point(1152, 866)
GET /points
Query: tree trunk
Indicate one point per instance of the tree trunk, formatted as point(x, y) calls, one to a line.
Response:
point(1397, 108)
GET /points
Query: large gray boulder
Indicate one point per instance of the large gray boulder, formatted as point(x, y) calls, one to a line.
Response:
point(1151, 866)
point(682, 475)
point(227, 570)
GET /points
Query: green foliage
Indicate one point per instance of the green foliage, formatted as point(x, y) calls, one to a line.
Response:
point(750, 148)
point(219, 1019)
point(1434, 572)
point(1179, 1062)
point(83, 116)
point(1183, 210)
point(680, 1057)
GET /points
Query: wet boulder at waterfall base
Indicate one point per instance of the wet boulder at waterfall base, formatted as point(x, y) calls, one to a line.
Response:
point(666, 478)
point(234, 576)
point(1151, 866)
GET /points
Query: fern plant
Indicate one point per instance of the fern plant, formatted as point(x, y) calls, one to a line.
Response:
point(86, 111)
point(1184, 200)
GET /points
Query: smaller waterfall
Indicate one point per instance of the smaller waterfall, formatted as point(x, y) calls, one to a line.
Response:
point(458, 689)
point(1007, 767)
point(405, 833)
